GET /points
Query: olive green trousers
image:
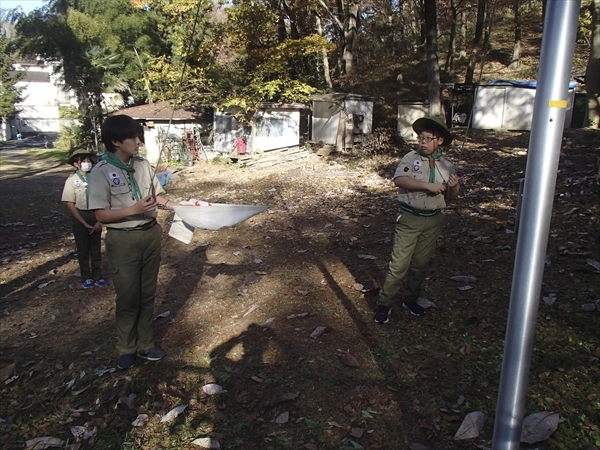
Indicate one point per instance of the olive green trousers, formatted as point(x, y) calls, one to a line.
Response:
point(414, 242)
point(88, 247)
point(134, 260)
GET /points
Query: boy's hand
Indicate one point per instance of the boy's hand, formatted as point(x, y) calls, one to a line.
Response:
point(96, 228)
point(452, 181)
point(436, 188)
point(145, 205)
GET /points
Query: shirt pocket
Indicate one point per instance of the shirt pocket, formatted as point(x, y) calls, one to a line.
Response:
point(119, 190)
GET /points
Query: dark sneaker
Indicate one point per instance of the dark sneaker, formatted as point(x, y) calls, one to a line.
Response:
point(152, 354)
point(125, 361)
point(100, 283)
point(87, 284)
point(414, 308)
point(383, 314)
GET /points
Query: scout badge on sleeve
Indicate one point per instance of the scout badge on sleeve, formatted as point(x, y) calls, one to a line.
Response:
point(114, 176)
point(208, 216)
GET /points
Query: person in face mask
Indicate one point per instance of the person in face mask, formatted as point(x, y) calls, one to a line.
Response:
point(86, 229)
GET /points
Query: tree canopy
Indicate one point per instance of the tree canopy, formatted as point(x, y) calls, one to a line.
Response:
point(243, 52)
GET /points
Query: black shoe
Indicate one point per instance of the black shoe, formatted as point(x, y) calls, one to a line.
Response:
point(125, 361)
point(383, 314)
point(152, 354)
point(414, 308)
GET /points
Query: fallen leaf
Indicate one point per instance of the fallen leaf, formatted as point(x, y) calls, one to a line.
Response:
point(448, 418)
point(79, 391)
point(594, 264)
point(212, 389)
point(464, 278)
point(471, 426)
point(357, 432)
point(416, 446)
point(43, 285)
point(424, 303)
point(595, 305)
point(318, 332)
point(301, 292)
point(367, 257)
point(43, 442)
point(140, 420)
point(283, 418)
point(465, 288)
point(251, 310)
point(84, 433)
point(105, 370)
point(357, 287)
point(163, 315)
point(173, 413)
point(334, 424)
point(7, 368)
point(539, 426)
point(252, 279)
point(349, 360)
point(483, 325)
point(207, 442)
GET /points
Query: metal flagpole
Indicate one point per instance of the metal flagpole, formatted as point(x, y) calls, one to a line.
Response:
point(558, 43)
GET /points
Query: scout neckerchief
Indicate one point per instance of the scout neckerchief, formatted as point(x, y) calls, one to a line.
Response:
point(115, 161)
point(431, 158)
point(87, 194)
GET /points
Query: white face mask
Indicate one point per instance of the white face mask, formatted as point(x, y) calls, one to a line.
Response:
point(86, 166)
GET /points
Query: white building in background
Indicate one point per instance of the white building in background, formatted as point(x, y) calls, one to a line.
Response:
point(43, 93)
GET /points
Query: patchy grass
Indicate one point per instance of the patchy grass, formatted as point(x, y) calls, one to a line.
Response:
point(55, 155)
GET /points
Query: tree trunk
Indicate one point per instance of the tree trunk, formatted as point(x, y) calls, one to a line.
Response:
point(452, 44)
point(323, 53)
point(477, 41)
point(433, 66)
point(463, 35)
point(350, 30)
point(592, 73)
point(514, 62)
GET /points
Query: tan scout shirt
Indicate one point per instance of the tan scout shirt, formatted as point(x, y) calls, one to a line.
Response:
point(74, 192)
point(110, 189)
point(416, 166)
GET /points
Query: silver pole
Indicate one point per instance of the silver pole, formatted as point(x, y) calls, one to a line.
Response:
point(558, 43)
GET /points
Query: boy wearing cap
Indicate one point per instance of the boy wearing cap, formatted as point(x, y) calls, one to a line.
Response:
point(425, 181)
point(125, 194)
point(86, 229)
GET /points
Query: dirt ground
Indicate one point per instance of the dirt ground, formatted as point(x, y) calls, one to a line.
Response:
point(239, 306)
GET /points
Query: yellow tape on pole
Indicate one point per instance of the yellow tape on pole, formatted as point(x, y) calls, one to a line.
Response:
point(557, 104)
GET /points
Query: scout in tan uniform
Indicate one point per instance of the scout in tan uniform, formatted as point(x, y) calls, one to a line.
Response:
point(425, 180)
point(86, 229)
point(125, 194)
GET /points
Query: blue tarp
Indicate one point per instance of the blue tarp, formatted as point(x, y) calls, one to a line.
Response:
point(526, 84)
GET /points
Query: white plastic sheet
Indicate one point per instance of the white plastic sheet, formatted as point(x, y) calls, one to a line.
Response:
point(217, 215)
point(208, 216)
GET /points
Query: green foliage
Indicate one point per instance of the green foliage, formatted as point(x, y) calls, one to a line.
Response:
point(10, 93)
point(75, 135)
point(68, 112)
point(278, 91)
